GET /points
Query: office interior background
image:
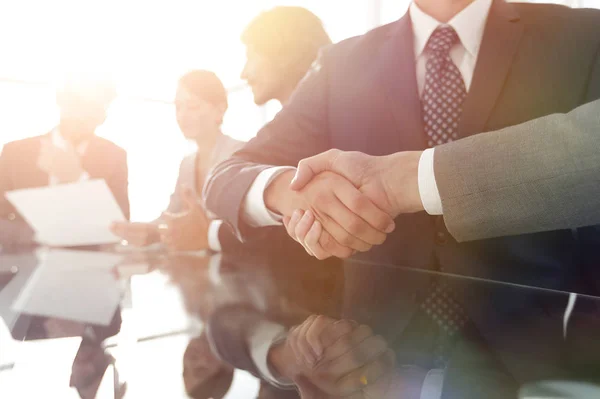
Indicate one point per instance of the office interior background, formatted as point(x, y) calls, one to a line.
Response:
point(147, 46)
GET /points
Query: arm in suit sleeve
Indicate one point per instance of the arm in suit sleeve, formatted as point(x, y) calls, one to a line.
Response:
point(538, 176)
point(242, 337)
point(297, 132)
point(14, 231)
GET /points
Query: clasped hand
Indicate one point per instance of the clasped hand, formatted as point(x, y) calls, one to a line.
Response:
point(345, 220)
point(350, 200)
point(339, 358)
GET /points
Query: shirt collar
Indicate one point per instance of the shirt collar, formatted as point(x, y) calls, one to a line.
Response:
point(60, 142)
point(469, 25)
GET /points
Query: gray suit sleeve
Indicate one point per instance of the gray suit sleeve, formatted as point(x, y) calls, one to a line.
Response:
point(538, 176)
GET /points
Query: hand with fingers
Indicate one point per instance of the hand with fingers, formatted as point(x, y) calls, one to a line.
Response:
point(136, 233)
point(188, 230)
point(389, 182)
point(347, 219)
point(340, 358)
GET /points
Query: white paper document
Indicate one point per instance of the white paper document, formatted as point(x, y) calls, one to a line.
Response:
point(72, 285)
point(68, 215)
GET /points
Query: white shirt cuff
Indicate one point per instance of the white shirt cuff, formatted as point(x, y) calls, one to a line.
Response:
point(213, 235)
point(255, 212)
point(262, 338)
point(428, 189)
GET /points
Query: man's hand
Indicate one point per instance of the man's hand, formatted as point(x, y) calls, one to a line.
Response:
point(350, 221)
point(136, 234)
point(187, 231)
point(339, 358)
point(391, 181)
point(65, 165)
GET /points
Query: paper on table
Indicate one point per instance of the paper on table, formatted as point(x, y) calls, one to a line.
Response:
point(72, 285)
point(69, 214)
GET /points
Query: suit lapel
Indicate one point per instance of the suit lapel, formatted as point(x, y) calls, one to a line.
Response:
point(38, 177)
point(500, 42)
point(398, 78)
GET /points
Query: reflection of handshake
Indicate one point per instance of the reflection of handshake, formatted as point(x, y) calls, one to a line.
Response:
point(339, 202)
point(329, 358)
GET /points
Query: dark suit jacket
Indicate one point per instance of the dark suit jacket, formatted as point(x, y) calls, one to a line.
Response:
point(19, 170)
point(285, 290)
point(534, 60)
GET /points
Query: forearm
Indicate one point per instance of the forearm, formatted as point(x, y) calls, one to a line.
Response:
point(226, 190)
point(523, 179)
point(282, 363)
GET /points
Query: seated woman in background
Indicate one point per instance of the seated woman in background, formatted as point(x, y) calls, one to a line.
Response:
point(200, 104)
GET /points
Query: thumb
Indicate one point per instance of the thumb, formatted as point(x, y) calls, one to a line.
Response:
point(310, 167)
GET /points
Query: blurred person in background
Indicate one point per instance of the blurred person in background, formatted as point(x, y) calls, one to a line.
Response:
point(69, 153)
point(281, 46)
point(200, 106)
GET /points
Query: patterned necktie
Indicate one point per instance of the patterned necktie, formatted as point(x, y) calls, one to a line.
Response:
point(444, 91)
point(442, 99)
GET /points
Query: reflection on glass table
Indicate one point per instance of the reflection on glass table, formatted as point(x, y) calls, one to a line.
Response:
point(217, 326)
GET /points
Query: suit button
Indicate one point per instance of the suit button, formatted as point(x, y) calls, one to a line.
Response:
point(441, 238)
point(11, 216)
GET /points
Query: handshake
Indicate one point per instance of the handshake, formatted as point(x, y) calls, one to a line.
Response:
point(339, 203)
point(328, 358)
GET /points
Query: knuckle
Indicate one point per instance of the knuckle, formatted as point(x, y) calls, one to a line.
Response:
point(310, 319)
point(375, 347)
point(327, 243)
point(344, 326)
point(321, 321)
point(344, 253)
point(357, 226)
point(347, 240)
point(359, 203)
point(345, 342)
point(380, 343)
point(364, 331)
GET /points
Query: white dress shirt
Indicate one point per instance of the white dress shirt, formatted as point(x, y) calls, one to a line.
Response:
point(224, 147)
point(59, 142)
point(469, 25)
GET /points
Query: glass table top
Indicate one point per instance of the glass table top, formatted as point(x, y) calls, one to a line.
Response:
point(131, 325)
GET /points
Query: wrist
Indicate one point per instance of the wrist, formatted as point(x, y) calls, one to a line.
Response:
point(278, 196)
point(281, 361)
point(401, 179)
